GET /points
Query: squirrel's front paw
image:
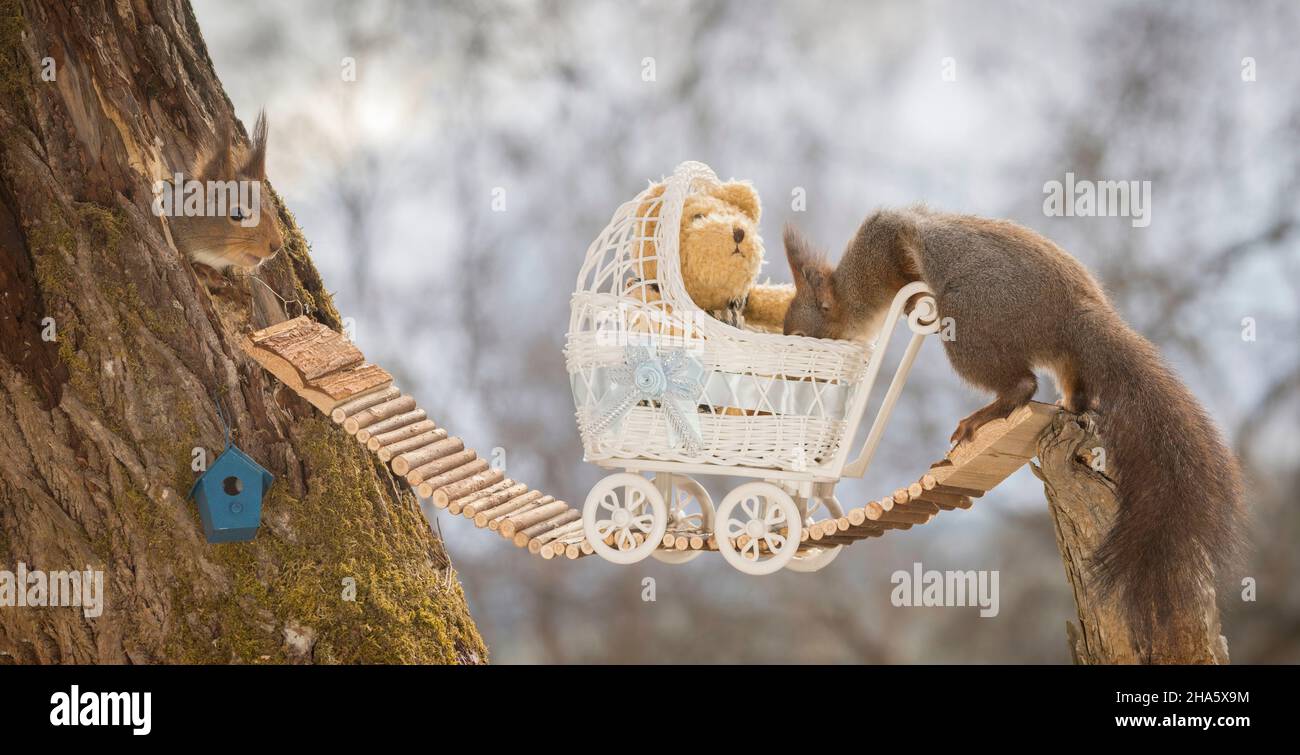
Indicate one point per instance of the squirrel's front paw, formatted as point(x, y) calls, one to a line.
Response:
point(211, 277)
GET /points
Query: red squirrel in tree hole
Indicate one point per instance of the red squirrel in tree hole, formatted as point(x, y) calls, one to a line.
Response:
point(247, 232)
point(1018, 302)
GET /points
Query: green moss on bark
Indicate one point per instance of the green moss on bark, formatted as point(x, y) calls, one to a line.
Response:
point(16, 75)
point(408, 607)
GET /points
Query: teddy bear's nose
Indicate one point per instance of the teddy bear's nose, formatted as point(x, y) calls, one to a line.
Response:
point(738, 234)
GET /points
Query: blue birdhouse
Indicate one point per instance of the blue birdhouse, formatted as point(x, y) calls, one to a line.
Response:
point(229, 495)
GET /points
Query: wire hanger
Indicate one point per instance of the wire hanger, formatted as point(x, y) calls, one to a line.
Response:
point(252, 300)
point(221, 415)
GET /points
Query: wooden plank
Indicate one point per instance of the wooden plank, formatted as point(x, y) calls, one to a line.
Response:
point(353, 380)
point(379, 412)
point(406, 419)
point(987, 473)
point(943, 500)
point(312, 348)
point(1017, 434)
point(918, 506)
point(1022, 439)
point(998, 449)
point(362, 402)
point(289, 375)
point(319, 364)
point(279, 328)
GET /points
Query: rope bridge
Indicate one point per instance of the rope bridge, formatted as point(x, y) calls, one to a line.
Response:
point(328, 371)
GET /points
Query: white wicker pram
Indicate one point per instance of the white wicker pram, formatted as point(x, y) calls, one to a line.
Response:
point(661, 387)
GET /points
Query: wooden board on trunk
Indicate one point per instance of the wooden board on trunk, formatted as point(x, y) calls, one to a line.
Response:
point(318, 363)
point(313, 349)
point(998, 449)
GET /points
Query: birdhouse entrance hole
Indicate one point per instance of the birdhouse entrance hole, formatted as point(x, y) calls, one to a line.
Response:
point(232, 485)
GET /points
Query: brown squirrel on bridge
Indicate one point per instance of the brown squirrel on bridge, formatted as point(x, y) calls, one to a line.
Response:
point(1019, 302)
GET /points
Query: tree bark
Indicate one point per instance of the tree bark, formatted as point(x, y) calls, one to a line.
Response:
point(1083, 503)
point(98, 426)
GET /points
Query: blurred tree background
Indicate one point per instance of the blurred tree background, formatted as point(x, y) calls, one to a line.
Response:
point(552, 107)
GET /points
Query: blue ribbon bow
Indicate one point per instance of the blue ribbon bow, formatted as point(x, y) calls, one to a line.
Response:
point(674, 381)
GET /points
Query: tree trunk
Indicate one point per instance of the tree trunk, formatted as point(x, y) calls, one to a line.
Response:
point(98, 426)
point(1083, 503)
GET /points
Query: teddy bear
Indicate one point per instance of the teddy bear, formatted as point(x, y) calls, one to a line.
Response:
point(721, 254)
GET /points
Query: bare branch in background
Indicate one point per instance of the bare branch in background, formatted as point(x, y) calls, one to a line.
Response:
point(844, 101)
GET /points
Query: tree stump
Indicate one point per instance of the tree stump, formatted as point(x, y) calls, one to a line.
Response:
point(1083, 503)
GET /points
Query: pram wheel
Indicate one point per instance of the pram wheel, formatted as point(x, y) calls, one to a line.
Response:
point(758, 528)
point(624, 518)
point(690, 513)
point(817, 557)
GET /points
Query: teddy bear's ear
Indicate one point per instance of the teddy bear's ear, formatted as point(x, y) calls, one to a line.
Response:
point(649, 208)
point(647, 222)
point(742, 195)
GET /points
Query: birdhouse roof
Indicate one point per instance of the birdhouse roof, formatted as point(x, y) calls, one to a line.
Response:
point(243, 466)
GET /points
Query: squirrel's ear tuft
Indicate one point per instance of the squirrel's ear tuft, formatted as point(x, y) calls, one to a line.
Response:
point(798, 253)
point(811, 271)
point(219, 162)
point(742, 195)
point(256, 165)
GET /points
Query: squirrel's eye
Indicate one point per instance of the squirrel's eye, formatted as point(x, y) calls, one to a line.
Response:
point(237, 215)
point(698, 216)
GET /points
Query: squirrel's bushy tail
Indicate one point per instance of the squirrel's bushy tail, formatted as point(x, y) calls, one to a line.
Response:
point(1180, 510)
